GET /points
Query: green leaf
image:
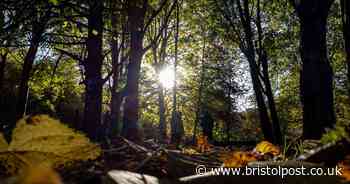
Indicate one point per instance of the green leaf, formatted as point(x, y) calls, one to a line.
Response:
point(54, 2)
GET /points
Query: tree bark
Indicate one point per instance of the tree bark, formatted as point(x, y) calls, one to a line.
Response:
point(162, 121)
point(25, 75)
point(345, 8)
point(200, 89)
point(3, 60)
point(117, 59)
point(176, 119)
point(93, 65)
point(316, 75)
point(263, 60)
point(136, 17)
point(249, 51)
point(160, 90)
point(271, 101)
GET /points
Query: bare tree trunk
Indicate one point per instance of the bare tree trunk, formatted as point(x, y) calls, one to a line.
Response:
point(93, 65)
point(25, 75)
point(3, 60)
point(136, 17)
point(162, 121)
point(249, 52)
point(263, 59)
point(117, 59)
point(199, 98)
point(316, 74)
point(345, 8)
point(38, 23)
point(176, 122)
point(271, 101)
point(161, 105)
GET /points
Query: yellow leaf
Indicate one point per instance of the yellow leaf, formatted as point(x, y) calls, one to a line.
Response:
point(189, 151)
point(345, 166)
point(40, 174)
point(266, 147)
point(41, 139)
point(237, 159)
point(203, 144)
point(3, 142)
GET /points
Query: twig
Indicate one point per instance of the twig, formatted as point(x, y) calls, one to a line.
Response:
point(115, 149)
point(135, 146)
point(149, 157)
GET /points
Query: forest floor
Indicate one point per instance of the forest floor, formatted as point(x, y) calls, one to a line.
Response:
point(167, 161)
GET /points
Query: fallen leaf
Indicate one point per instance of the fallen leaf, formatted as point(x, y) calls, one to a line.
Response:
point(266, 147)
point(237, 158)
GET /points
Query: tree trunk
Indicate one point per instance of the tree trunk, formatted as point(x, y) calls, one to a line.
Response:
point(271, 101)
point(263, 113)
point(176, 119)
point(316, 74)
point(266, 79)
point(249, 51)
point(199, 98)
point(136, 17)
point(3, 61)
point(25, 75)
point(117, 51)
point(162, 121)
point(345, 7)
point(93, 66)
point(115, 105)
point(160, 91)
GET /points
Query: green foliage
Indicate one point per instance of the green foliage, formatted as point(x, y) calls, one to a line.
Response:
point(298, 148)
point(55, 2)
point(334, 135)
point(41, 139)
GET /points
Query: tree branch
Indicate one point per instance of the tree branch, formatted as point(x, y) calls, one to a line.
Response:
point(74, 56)
point(154, 14)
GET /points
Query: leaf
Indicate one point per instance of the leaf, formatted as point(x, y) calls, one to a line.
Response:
point(203, 144)
point(266, 147)
point(189, 151)
point(3, 142)
point(94, 32)
point(54, 2)
point(345, 165)
point(41, 139)
point(237, 159)
point(39, 174)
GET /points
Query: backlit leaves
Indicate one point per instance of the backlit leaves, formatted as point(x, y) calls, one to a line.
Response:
point(41, 139)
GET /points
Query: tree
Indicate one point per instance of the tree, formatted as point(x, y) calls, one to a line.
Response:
point(239, 18)
point(159, 53)
point(138, 25)
point(3, 60)
point(93, 65)
point(118, 47)
point(176, 118)
point(38, 26)
point(345, 9)
point(316, 77)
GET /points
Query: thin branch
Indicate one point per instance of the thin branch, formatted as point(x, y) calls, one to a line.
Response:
point(74, 56)
point(164, 26)
point(154, 14)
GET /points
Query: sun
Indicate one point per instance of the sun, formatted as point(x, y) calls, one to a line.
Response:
point(167, 78)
